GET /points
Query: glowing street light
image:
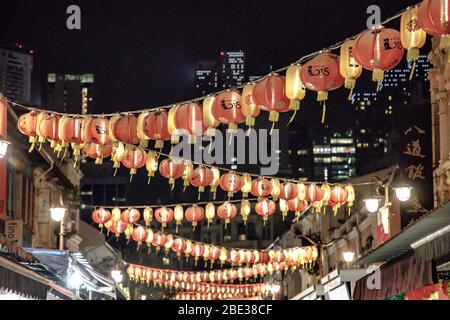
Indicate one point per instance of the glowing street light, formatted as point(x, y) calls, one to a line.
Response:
point(348, 256)
point(3, 147)
point(403, 193)
point(372, 204)
point(117, 276)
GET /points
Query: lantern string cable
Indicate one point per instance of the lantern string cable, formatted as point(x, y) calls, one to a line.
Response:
point(242, 173)
point(165, 271)
point(189, 271)
point(301, 60)
point(203, 243)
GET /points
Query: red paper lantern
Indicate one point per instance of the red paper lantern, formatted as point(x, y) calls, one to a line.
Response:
point(434, 17)
point(172, 170)
point(231, 183)
point(179, 245)
point(195, 214)
point(270, 95)
point(155, 127)
point(118, 228)
point(70, 131)
point(249, 258)
point(338, 198)
point(130, 216)
point(227, 108)
point(125, 129)
point(164, 216)
point(322, 74)
point(47, 128)
point(139, 235)
point(101, 216)
point(227, 212)
point(96, 130)
point(159, 240)
point(98, 152)
point(201, 177)
point(313, 193)
point(214, 254)
point(27, 126)
point(135, 158)
point(265, 208)
point(261, 188)
point(378, 50)
point(197, 251)
point(189, 117)
point(288, 190)
point(235, 257)
point(298, 206)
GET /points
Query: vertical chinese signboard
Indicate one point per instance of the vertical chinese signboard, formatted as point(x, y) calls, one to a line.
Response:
point(415, 153)
point(3, 161)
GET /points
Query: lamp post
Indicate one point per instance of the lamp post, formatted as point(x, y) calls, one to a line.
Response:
point(403, 193)
point(346, 255)
point(58, 213)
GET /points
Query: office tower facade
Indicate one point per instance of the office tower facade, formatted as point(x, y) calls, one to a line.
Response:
point(70, 93)
point(16, 66)
point(226, 72)
point(334, 155)
point(375, 112)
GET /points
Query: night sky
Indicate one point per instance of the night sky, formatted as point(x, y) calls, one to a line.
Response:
point(143, 53)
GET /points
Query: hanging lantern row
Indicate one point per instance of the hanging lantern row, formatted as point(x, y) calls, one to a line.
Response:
point(282, 261)
point(294, 257)
point(378, 49)
point(160, 276)
point(193, 296)
point(189, 281)
point(61, 131)
point(295, 198)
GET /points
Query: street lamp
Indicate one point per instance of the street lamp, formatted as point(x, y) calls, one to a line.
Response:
point(3, 147)
point(348, 256)
point(275, 288)
point(403, 193)
point(372, 204)
point(58, 212)
point(117, 276)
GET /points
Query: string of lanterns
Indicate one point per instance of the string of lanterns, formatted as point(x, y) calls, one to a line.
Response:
point(290, 258)
point(378, 50)
point(296, 198)
point(193, 296)
point(190, 281)
point(156, 276)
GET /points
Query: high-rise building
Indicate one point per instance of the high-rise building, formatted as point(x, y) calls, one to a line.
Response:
point(70, 93)
point(232, 69)
point(16, 66)
point(228, 71)
point(374, 112)
point(334, 156)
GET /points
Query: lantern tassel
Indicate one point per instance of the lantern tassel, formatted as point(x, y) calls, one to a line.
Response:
point(294, 106)
point(413, 68)
point(274, 116)
point(350, 83)
point(324, 111)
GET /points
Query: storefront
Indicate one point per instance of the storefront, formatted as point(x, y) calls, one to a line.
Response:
point(423, 248)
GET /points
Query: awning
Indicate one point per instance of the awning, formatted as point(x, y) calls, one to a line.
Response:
point(394, 278)
point(18, 278)
point(401, 243)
